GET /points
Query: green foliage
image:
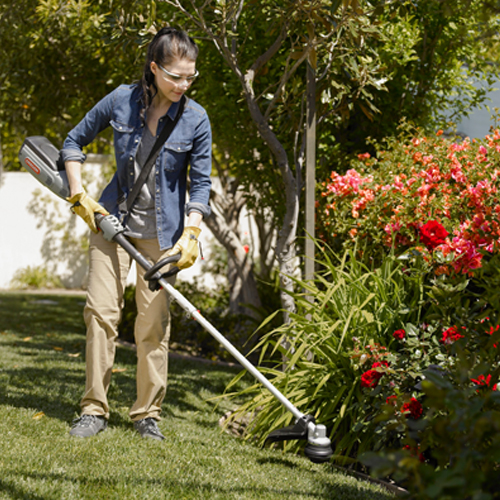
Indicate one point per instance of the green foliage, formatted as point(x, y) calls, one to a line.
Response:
point(317, 371)
point(56, 62)
point(454, 450)
point(437, 63)
point(35, 277)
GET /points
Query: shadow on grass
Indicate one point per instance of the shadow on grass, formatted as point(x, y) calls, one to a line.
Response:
point(57, 382)
point(46, 335)
point(16, 492)
point(277, 461)
point(42, 389)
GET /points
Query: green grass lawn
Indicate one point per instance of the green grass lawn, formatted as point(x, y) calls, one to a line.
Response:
point(42, 375)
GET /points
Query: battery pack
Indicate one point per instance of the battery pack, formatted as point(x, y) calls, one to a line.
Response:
point(41, 159)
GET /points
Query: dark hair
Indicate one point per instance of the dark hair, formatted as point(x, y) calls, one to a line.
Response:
point(167, 45)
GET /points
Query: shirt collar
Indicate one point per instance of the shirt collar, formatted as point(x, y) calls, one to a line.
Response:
point(174, 108)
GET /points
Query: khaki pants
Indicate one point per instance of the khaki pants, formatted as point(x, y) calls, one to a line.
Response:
point(109, 267)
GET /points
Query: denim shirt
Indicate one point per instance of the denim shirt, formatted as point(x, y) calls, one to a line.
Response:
point(190, 143)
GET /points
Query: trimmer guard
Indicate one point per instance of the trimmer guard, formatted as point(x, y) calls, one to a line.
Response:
point(292, 432)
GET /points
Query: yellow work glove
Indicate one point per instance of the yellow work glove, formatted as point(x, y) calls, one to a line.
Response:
point(187, 245)
point(86, 207)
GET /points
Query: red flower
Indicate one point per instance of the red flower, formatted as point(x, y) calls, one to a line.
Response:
point(492, 331)
point(246, 248)
point(377, 364)
point(484, 381)
point(370, 378)
point(412, 409)
point(432, 234)
point(451, 335)
point(391, 400)
point(414, 451)
point(399, 334)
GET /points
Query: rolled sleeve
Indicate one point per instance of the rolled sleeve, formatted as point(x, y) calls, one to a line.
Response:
point(73, 155)
point(96, 120)
point(201, 208)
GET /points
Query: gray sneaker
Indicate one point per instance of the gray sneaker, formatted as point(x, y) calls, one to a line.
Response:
point(88, 425)
point(148, 428)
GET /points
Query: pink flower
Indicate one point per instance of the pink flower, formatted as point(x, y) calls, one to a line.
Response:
point(343, 185)
point(467, 256)
point(392, 227)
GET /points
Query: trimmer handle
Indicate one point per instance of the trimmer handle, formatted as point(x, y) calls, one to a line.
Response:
point(149, 275)
point(109, 225)
point(112, 230)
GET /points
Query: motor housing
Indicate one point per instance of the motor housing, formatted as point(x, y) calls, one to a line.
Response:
point(42, 160)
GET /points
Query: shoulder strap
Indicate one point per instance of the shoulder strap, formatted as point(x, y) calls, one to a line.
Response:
point(146, 169)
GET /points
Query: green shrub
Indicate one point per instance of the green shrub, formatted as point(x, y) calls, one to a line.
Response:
point(318, 373)
point(35, 277)
point(451, 450)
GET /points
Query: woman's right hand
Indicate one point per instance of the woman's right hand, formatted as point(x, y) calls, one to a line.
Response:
point(86, 207)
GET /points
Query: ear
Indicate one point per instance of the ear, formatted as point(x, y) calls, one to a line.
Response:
point(154, 67)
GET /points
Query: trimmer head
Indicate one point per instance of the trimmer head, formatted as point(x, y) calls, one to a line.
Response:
point(318, 449)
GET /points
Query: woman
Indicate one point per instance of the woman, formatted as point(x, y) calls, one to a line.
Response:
point(154, 223)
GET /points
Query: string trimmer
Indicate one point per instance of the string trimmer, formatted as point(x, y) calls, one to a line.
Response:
point(41, 158)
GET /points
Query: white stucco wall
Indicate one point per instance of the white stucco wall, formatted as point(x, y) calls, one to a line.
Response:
point(477, 124)
point(20, 238)
point(23, 243)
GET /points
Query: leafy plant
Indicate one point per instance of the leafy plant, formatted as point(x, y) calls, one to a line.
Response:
point(351, 305)
point(451, 449)
point(35, 277)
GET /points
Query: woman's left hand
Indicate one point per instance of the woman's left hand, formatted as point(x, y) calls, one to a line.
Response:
point(187, 246)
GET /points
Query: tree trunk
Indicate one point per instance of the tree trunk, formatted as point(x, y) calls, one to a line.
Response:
point(223, 223)
point(285, 247)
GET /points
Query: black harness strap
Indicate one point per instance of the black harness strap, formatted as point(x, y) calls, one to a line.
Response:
point(146, 169)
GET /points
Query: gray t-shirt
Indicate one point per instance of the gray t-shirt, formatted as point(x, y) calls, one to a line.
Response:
point(141, 222)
